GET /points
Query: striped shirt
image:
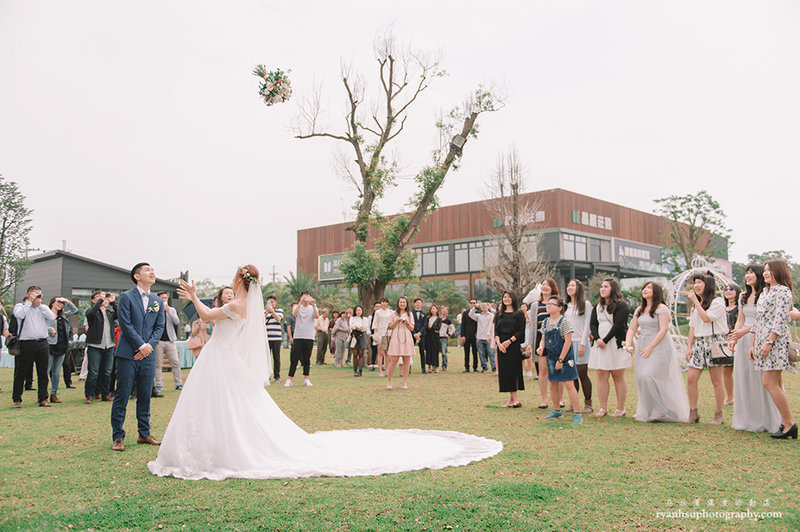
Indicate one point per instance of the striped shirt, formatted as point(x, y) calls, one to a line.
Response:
point(274, 328)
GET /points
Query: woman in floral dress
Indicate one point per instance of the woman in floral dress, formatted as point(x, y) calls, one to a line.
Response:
point(770, 350)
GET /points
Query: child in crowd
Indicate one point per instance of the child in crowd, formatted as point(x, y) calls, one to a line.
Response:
point(556, 345)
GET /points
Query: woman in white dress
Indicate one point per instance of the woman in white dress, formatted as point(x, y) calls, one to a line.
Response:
point(659, 381)
point(225, 424)
point(609, 324)
point(753, 408)
point(708, 323)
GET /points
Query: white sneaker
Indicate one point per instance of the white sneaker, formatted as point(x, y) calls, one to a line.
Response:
point(288, 383)
point(307, 383)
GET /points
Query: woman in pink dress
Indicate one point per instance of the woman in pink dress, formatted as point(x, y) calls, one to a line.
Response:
point(401, 343)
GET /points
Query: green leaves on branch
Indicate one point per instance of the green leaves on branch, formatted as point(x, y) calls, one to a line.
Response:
point(695, 224)
point(15, 226)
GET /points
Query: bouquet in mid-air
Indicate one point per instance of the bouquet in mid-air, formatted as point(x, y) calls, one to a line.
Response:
point(275, 86)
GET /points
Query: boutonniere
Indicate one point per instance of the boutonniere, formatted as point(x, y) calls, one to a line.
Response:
point(154, 307)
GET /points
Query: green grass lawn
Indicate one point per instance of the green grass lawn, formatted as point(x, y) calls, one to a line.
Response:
point(57, 470)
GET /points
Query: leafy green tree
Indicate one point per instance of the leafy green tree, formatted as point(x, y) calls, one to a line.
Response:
point(370, 126)
point(15, 226)
point(695, 225)
point(207, 288)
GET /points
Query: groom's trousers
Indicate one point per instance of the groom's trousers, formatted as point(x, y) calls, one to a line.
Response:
point(130, 373)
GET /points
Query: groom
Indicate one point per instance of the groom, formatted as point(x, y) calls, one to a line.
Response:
point(141, 320)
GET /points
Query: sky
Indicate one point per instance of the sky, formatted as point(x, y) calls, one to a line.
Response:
point(136, 132)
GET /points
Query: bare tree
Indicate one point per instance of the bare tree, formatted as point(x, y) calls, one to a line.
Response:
point(515, 260)
point(404, 74)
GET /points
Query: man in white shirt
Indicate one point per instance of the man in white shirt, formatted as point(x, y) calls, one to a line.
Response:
point(32, 318)
point(305, 312)
point(484, 320)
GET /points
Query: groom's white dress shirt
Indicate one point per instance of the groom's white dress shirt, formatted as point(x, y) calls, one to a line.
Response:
point(145, 300)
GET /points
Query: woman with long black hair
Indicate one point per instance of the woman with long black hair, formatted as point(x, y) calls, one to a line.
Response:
point(753, 408)
point(432, 343)
point(609, 324)
point(708, 323)
point(509, 335)
point(770, 350)
point(731, 296)
point(579, 312)
point(659, 381)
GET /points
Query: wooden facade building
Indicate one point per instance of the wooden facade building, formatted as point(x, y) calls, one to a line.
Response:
point(581, 236)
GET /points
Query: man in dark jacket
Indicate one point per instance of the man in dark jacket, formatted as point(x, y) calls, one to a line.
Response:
point(469, 328)
point(100, 346)
point(419, 330)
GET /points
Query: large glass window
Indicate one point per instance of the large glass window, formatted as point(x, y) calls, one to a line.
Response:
point(573, 247)
point(605, 251)
point(594, 250)
point(461, 256)
point(443, 259)
point(476, 256)
point(429, 261)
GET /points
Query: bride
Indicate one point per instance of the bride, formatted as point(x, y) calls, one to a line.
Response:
point(226, 424)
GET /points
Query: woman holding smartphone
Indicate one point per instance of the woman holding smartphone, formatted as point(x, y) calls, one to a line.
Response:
point(401, 343)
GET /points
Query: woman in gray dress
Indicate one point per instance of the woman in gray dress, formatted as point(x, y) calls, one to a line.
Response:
point(770, 350)
point(753, 408)
point(659, 382)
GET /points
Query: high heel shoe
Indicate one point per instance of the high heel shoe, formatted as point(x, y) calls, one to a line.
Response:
point(694, 416)
point(718, 418)
point(791, 433)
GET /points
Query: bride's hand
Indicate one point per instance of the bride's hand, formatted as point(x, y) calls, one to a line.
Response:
point(186, 290)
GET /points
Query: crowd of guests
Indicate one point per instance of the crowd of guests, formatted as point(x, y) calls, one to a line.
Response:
point(741, 337)
point(44, 338)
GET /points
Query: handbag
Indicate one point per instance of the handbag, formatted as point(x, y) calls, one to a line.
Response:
point(384, 343)
point(195, 342)
point(721, 353)
point(12, 342)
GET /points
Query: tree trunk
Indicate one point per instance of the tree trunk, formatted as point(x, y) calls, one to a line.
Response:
point(369, 294)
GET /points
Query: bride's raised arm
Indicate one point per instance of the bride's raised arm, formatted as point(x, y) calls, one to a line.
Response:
point(188, 291)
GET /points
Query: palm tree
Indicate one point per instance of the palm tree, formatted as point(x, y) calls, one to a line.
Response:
point(302, 283)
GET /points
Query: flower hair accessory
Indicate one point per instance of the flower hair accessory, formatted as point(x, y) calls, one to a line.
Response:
point(245, 274)
point(275, 86)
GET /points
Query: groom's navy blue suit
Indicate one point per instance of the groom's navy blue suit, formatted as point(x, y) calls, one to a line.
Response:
point(138, 326)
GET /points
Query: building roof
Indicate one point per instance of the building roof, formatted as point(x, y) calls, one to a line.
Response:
point(49, 255)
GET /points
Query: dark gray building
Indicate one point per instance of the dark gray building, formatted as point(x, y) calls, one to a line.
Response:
point(60, 273)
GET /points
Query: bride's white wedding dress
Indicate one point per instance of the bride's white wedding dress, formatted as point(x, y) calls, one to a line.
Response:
point(226, 424)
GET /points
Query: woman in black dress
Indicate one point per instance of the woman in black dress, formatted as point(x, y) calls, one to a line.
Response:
point(432, 343)
point(509, 334)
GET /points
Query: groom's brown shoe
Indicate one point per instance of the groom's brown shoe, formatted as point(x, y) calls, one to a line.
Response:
point(119, 445)
point(149, 440)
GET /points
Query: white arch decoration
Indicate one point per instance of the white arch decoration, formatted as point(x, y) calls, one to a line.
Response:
point(673, 289)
